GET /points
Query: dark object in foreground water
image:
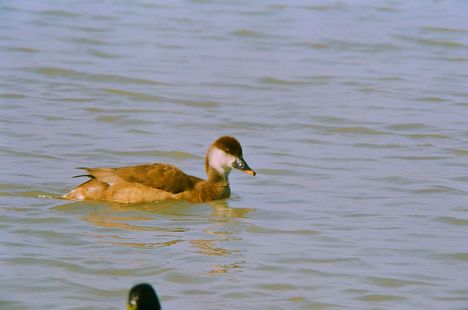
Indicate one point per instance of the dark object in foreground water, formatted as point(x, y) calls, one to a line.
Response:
point(143, 297)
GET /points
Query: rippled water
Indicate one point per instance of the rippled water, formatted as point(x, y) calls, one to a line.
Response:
point(354, 115)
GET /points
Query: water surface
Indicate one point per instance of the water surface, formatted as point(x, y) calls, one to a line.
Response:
point(352, 113)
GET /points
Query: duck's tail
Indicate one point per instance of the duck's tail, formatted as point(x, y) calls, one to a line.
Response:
point(89, 190)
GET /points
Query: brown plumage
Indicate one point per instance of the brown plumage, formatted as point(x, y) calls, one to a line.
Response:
point(159, 181)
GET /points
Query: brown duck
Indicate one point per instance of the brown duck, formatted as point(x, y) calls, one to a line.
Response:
point(160, 181)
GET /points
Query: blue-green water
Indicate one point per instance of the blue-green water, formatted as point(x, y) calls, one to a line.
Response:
point(353, 113)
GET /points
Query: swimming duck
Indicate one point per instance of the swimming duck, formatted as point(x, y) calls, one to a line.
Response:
point(160, 181)
point(143, 297)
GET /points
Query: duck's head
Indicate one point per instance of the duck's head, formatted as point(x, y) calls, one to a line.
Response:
point(143, 297)
point(224, 154)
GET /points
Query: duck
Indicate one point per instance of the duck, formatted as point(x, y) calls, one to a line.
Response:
point(162, 181)
point(143, 297)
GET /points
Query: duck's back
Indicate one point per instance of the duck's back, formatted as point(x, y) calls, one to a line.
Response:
point(160, 176)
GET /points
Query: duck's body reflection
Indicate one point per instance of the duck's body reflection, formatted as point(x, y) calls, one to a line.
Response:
point(219, 227)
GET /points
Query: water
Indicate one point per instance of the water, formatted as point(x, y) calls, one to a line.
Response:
point(352, 113)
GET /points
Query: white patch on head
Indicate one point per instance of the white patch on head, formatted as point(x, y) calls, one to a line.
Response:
point(220, 161)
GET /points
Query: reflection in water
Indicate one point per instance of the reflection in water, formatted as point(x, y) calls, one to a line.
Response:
point(217, 269)
point(119, 216)
point(146, 245)
point(208, 247)
point(221, 209)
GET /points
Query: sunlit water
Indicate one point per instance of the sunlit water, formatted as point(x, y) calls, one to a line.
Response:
point(353, 113)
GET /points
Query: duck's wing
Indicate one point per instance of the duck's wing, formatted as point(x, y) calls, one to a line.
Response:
point(161, 176)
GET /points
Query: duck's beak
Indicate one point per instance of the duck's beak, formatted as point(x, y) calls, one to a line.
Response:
point(242, 165)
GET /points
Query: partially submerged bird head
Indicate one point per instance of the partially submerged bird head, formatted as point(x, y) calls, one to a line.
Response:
point(224, 154)
point(143, 297)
